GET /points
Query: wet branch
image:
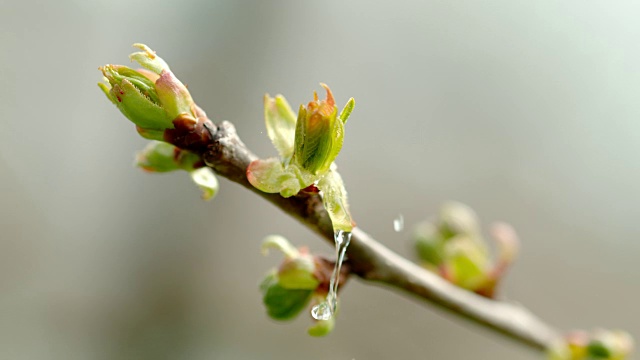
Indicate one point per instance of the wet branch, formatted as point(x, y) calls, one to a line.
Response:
point(371, 261)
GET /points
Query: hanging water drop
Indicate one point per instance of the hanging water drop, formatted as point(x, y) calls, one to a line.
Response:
point(321, 311)
point(398, 223)
point(326, 309)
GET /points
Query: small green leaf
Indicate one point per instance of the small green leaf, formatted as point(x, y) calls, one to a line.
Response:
point(346, 111)
point(148, 59)
point(271, 176)
point(334, 198)
point(150, 134)
point(158, 156)
point(429, 243)
point(207, 182)
point(322, 327)
point(280, 243)
point(281, 303)
point(138, 108)
point(281, 125)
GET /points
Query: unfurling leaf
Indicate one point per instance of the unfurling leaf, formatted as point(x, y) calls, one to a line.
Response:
point(308, 146)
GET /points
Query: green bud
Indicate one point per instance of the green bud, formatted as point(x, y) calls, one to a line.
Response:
point(614, 345)
point(159, 156)
point(282, 303)
point(307, 146)
point(134, 97)
point(150, 98)
point(319, 134)
point(600, 344)
point(454, 247)
point(465, 264)
point(298, 273)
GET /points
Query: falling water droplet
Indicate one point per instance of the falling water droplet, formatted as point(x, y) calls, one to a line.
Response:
point(321, 311)
point(326, 309)
point(398, 223)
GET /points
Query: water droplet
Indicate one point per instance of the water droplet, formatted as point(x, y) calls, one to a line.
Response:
point(398, 223)
point(326, 309)
point(321, 311)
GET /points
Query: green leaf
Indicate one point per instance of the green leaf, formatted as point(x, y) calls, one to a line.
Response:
point(334, 198)
point(281, 125)
point(148, 59)
point(150, 134)
point(158, 156)
point(298, 273)
point(281, 303)
point(429, 244)
point(346, 111)
point(271, 176)
point(280, 243)
point(207, 181)
point(322, 327)
point(138, 108)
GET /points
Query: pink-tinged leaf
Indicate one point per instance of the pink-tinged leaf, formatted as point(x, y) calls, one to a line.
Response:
point(173, 95)
point(148, 59)
point(507, 243)
point(271, 176)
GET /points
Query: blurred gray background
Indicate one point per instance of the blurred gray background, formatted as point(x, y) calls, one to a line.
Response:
point(526, 111)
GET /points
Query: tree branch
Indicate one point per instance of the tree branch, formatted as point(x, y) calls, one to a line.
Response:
point(370, 260)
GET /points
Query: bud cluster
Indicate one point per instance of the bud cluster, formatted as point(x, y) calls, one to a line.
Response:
point(162, 109)
point(600, 344)
point(453, 247)
point(300, 282)
point(308, 145)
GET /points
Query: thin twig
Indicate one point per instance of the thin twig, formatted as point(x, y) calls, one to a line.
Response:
point(371, 261)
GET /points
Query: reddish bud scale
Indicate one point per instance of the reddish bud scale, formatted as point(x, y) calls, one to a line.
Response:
point(313, 189)
point(188, 135)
